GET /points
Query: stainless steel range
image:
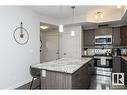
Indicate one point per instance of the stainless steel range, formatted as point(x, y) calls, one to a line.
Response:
point(103, 62)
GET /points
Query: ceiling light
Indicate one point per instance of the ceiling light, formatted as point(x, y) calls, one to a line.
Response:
point(61, 25)
point(60, 28)
point(73, 32)
point(44, 27)
point(99, 15)
point(118, 6)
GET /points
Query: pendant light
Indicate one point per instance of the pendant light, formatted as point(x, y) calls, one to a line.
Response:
point(73, 32)
point(61, 28)
point(61, 25)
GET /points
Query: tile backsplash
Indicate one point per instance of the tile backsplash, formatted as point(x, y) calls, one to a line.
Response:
point(90, 51)
point(124, 51)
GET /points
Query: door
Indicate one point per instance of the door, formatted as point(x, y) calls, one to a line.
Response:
point(51, 47)
point(69, 46)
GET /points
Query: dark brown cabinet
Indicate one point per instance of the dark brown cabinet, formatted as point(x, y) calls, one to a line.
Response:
point(123, 35)
point(119, 35)
point(88, 37)
point(103, 31)
point(116, 65)
point(116, 36)
point(80, 79)
point(124, 70)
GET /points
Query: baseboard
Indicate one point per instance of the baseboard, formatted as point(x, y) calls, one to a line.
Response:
point(13, 87)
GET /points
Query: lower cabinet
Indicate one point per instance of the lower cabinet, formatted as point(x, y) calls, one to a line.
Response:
point(116, 64)
point(124, 70)
point(80, 79)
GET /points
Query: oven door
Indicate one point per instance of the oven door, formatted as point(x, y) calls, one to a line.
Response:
point(99, 41)
point(103, 62)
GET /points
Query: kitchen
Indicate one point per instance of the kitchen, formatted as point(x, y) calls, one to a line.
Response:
point(79, 48)
point(104, 43)
point(107, 55)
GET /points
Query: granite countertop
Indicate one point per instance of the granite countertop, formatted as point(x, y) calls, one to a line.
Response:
point(124, 57)
point(66, 65)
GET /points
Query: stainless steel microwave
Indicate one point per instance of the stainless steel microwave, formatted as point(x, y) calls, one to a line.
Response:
point(103, 40)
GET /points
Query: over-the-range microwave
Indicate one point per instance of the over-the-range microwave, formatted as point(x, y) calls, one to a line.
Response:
point(103, 40)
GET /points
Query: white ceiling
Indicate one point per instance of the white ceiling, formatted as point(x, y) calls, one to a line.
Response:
point(66, 11)
point(83, 14)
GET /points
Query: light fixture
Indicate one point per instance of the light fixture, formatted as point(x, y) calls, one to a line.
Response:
point(99, 15)
point(61, 25)
point(73, 32)
point(60, 28)
point(44, 27)
point(118, 6)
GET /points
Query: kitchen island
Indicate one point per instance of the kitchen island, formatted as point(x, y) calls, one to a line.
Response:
point(65, 73)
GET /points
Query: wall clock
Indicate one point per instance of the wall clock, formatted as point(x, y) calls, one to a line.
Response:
point(41, 45)
point(21, 35)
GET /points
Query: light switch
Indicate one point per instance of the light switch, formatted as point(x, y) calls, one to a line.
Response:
point(43, 73)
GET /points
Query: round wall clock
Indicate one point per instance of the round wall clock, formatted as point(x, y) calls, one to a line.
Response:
point(21, 35)
point(41, 45)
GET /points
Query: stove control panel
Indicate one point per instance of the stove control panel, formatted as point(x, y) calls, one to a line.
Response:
point(103, 51)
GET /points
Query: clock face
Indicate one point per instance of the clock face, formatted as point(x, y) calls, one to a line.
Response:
point(21, 35)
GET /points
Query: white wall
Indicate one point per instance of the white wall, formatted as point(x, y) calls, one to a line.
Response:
point(15, 59)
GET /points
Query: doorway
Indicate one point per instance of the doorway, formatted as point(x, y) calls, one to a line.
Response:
point(50, 44)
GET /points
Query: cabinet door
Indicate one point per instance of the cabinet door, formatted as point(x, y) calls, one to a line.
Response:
point(122, 66)
point(81, 78)
point(88, 37)
point(116, 65)
point(125, 74)
point(116, 36)
point(123, 35)
point(124, 70)
point(103, 31)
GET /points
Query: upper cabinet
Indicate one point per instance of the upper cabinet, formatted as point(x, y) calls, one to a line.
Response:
point(116, 40)
point(88, 37)
point(119, 35)
point(103, 31)
point(123, 35)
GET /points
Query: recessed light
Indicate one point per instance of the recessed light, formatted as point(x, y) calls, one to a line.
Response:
point(44, 27)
